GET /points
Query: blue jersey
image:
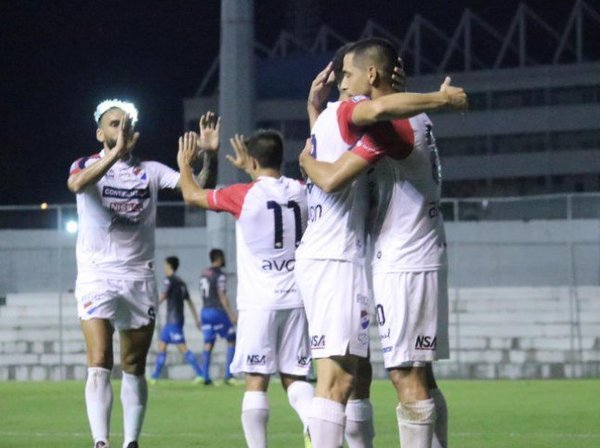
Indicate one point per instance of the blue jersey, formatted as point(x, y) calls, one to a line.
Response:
point(177, 292)
point(212, 282)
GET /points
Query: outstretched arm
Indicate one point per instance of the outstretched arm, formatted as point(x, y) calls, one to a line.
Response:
point(126, 140)
point(193, 193)
point(405, 105)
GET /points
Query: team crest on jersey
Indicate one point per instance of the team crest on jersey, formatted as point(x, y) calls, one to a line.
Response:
point(364, 319)
point(138, 172)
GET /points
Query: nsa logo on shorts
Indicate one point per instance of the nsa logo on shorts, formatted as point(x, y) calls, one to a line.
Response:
point(364, 319)
point(317, 341)
point(426, 343)
point(303, 361)
point(256, 360)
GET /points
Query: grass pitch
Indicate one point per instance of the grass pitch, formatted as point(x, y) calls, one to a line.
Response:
point(491, 414)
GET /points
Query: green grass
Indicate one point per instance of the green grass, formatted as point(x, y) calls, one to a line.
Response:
point(490, 414)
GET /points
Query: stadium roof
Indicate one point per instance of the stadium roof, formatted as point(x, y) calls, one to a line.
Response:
point(527, 41)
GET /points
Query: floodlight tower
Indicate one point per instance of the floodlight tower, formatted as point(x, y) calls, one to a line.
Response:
point(236, 79)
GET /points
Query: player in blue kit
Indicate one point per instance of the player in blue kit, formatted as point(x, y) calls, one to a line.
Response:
point(175, 293)
point(217, 315)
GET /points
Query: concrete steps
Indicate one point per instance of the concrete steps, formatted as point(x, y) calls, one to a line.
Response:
point(494, 333)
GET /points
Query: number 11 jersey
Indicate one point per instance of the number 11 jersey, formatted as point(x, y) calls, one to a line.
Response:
point(270, 219)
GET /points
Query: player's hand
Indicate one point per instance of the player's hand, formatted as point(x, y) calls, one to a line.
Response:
point(210, 125)
point(126, 139)
point(321, 87)
point(399, 76)
point(457, 98)
point(241, 160)
point(187, 154)
point(306, 153)
point(233, 318)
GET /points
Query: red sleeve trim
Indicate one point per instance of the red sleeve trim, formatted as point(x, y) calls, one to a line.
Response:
point(229, 199)
point(394, 139)
point(348, 130)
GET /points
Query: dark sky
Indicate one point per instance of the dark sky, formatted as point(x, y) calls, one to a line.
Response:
point(60, 58)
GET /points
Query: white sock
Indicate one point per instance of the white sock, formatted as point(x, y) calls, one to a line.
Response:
point(415, 423)
point(360, 431)
point(134, 396)
point(300, 395)
point(98, 401)
point(326, 425)
point(440, 430)
point(255, 416)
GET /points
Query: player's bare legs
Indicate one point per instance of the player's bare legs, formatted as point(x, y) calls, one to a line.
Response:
point(335, 380)
point(98, 389)
point(135, 344)
point(440, 432)
point(416, 410)
point(255, 410)
point(360, 431)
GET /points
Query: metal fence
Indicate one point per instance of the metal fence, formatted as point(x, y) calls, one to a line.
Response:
point(533, 261)
point(176, 214)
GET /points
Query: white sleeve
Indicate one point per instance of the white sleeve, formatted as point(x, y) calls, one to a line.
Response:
point(166, 177)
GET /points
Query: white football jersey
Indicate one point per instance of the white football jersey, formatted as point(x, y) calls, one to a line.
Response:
point(270, 219)
point(336, 221)
point(406, 225)
point(117, 217)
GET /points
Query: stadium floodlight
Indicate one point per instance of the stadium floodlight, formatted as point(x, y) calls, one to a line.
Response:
point(72, 226)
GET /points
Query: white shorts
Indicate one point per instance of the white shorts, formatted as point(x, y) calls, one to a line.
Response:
point(336, 300)
point(271, 341)
point(412, 313)
point(128, 304)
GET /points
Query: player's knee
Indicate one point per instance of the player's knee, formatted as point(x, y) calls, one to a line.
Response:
point(342, 385)
point(410, 383)
point(101, 358)
point(133, 363)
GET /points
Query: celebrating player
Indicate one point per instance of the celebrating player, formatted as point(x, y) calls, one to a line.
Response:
point(409, 256)
point(272, 330)
point(116, 287)
point(217, 315)
point(175, 293)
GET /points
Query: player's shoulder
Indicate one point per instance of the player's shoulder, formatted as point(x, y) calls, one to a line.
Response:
point(85, 161)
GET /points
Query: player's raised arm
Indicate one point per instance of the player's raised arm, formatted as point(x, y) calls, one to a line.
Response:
point(320, 89)
point(126, 141)
point(406, 104)
point(193, 193)
point(242, 160)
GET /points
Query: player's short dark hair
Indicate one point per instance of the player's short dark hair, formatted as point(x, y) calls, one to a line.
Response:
point(216, 254)
point(375, 51)
point(173, 262)
point(266, 146)
point(337, 63)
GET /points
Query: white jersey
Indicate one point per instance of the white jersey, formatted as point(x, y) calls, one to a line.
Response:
point(406, 224)
point(271, 217)
point(336, 221)
point(117, 218)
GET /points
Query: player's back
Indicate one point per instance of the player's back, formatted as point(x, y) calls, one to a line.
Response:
point(406, 223)
point(177, 293)
point(212, 280)
point(269, 228)
point(336, 221)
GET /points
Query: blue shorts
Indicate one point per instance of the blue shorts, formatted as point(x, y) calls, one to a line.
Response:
point(172, 334)
point(216, 322)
